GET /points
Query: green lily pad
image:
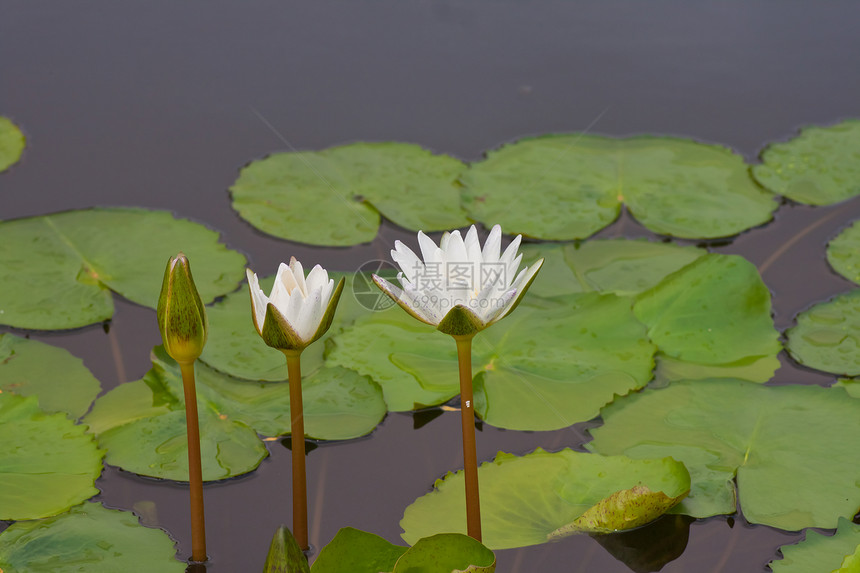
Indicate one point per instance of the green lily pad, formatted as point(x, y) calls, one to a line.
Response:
point(60, 381)
point(820, 553)
point(564, 187)
point(285, 555)
point(88, 538)
point(12, 143)
point(553, 490)
point(714, 312)
point(142, 423)
point(47, 463)
point(356, 551)
point(549, 364)
point(843, 253)
point(334, 197)
point(791, 449)
point(58, 270)
point(827, 335)
point(448, 553)
point(820, 166)
point(620, 266)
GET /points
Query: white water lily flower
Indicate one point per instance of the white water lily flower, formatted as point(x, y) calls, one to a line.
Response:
point(299, 310)
point(459, 287)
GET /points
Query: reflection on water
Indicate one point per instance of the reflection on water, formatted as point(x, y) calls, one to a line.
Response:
point(651, 547)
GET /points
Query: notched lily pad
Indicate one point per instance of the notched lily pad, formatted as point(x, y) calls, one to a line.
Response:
point(60, 381)
point(12, 143)
point(564, 187)
point(88, 538)
point(818, 552)
point(843, 253)
point(47, 463)
point(791, 450)
point(554, 490)
point(58, 270)
point(820, 166)
point(827, 336)
point(334, 197)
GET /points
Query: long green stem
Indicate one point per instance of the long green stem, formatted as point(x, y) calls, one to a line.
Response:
point(470, 457)
point(297, 437)
point(195, 469)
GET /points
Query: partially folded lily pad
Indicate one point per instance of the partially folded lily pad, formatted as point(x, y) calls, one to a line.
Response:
point(12, 143)
point(550, 364)
point(58, 270)
point(60, 381)
point(827, 336)
point(356, 551)
point(334, 197)
point(821, 553)
point(818, 167)
point(619, 266)
point(712, 315)
point(142, 423)
point(564, 187)
point(47, 463)
point(88, 538)
point(791, 449)
point(553, 490)
point(447, 553)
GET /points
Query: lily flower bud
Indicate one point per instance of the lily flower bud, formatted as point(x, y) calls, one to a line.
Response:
point(181, 315)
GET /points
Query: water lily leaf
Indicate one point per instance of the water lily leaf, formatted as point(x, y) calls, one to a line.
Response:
point(820, 166)
point(820, 553)
point(448, 553)
point(285, 555)
point(88, 538)
point(47, 463)
point(564, 187)
point(356, 551)
point(142, 423)
point(620, 266)
point(791, 449)
point(713, 312)
point(827, 335)
point(58, 270)
point(334, 197)
point(552, 491)
point(546, 366)
point(12, 143)
point(60, 381)
point(843, 253)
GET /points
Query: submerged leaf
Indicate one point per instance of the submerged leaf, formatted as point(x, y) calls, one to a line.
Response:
point(285, 555)
point(552, 491)
point(791, 449)
point(47, 463)
point(827, 336)
point(356, 551)
point(12, 143)
point(58, 270)
point(88, 538)
point(818, 167)
point(821, 553)
point(448, 553)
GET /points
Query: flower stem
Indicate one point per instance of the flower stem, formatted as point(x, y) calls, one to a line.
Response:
point(470, 458)
point(297, 437)
point(195, 469)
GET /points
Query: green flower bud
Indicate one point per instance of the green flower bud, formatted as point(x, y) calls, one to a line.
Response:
point(181, 315)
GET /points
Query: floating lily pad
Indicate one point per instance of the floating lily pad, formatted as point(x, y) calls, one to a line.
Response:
point(12, 143)
point(820, 166)
point(356, 551)
point(713, 314)
point(792, 449)
point(88, 538)
point(57, 270)
point(60, 381)
point(619, 266)
point(334, 197)
point(827, 335)
point(142, 423)
point(47, 463)
point(564, 187)
point(448, 553)
point(843, 253)
point(820, 553)
point(525, 500)
point(549, 364)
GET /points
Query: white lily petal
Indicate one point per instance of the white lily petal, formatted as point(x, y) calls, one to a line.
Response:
point(520, 287)
point(511, 270)
point(308, 319)
point(455, 249)
point(505, 302)
point(428, 247)
point(511, 251)
point(443, 242)
point(408, 261)
point(299, 274)
point(285, 278)
point(317, 279)
point(493, 245)
point(293, 309)
point(259, 300)
point(473, 247)
point(407, 301)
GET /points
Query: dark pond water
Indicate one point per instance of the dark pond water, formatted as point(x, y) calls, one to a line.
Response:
point(159, 104)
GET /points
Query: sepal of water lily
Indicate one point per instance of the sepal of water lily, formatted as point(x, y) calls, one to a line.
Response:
point(299, 310)
point(181, 314)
